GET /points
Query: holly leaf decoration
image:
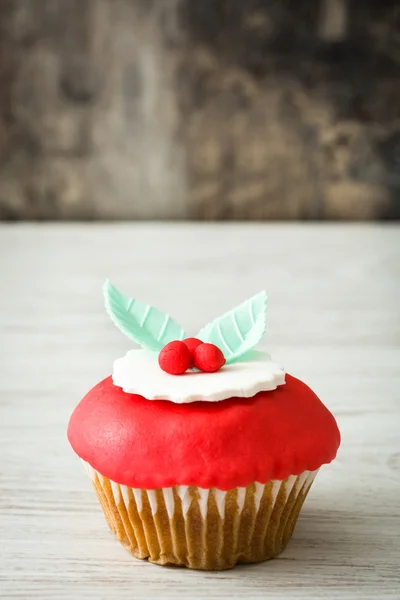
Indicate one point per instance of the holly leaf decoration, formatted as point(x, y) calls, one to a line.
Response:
point(239, 330)
point(142, 323)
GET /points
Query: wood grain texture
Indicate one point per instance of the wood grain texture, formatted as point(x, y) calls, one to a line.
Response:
point(333, 320)
point(174, 109)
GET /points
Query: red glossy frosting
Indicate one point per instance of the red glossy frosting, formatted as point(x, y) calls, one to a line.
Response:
point(151, 444)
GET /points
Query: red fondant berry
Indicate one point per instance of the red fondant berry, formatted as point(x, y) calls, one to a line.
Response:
point(192, 344)
point(208, 358)
point(174, 358)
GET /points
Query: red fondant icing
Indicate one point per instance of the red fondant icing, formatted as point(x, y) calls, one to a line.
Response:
point(152, 444)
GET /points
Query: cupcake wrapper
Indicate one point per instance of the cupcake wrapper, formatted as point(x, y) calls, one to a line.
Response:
point(203, 528)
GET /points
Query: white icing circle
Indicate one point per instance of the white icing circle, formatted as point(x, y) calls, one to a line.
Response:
point(138, 372)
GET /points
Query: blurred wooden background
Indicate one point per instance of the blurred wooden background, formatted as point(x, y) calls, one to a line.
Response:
point(189, 109)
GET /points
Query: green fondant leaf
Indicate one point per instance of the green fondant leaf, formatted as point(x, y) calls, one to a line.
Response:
point(147, 326)
point(238, 330)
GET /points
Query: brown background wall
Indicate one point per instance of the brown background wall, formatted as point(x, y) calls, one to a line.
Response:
point(214, 109)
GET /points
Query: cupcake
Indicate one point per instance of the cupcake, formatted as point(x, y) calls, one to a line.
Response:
point(201, 450)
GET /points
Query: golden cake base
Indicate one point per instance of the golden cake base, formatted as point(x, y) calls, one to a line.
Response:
point(255, 528)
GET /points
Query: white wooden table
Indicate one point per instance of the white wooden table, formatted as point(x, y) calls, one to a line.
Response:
point(333, 320)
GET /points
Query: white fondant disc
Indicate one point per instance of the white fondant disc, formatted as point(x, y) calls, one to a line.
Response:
point(138, 372)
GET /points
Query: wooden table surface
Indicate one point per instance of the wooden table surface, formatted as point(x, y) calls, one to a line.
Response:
point(333, 320)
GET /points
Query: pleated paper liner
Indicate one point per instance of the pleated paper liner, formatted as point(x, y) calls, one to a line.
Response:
point(203, 529)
